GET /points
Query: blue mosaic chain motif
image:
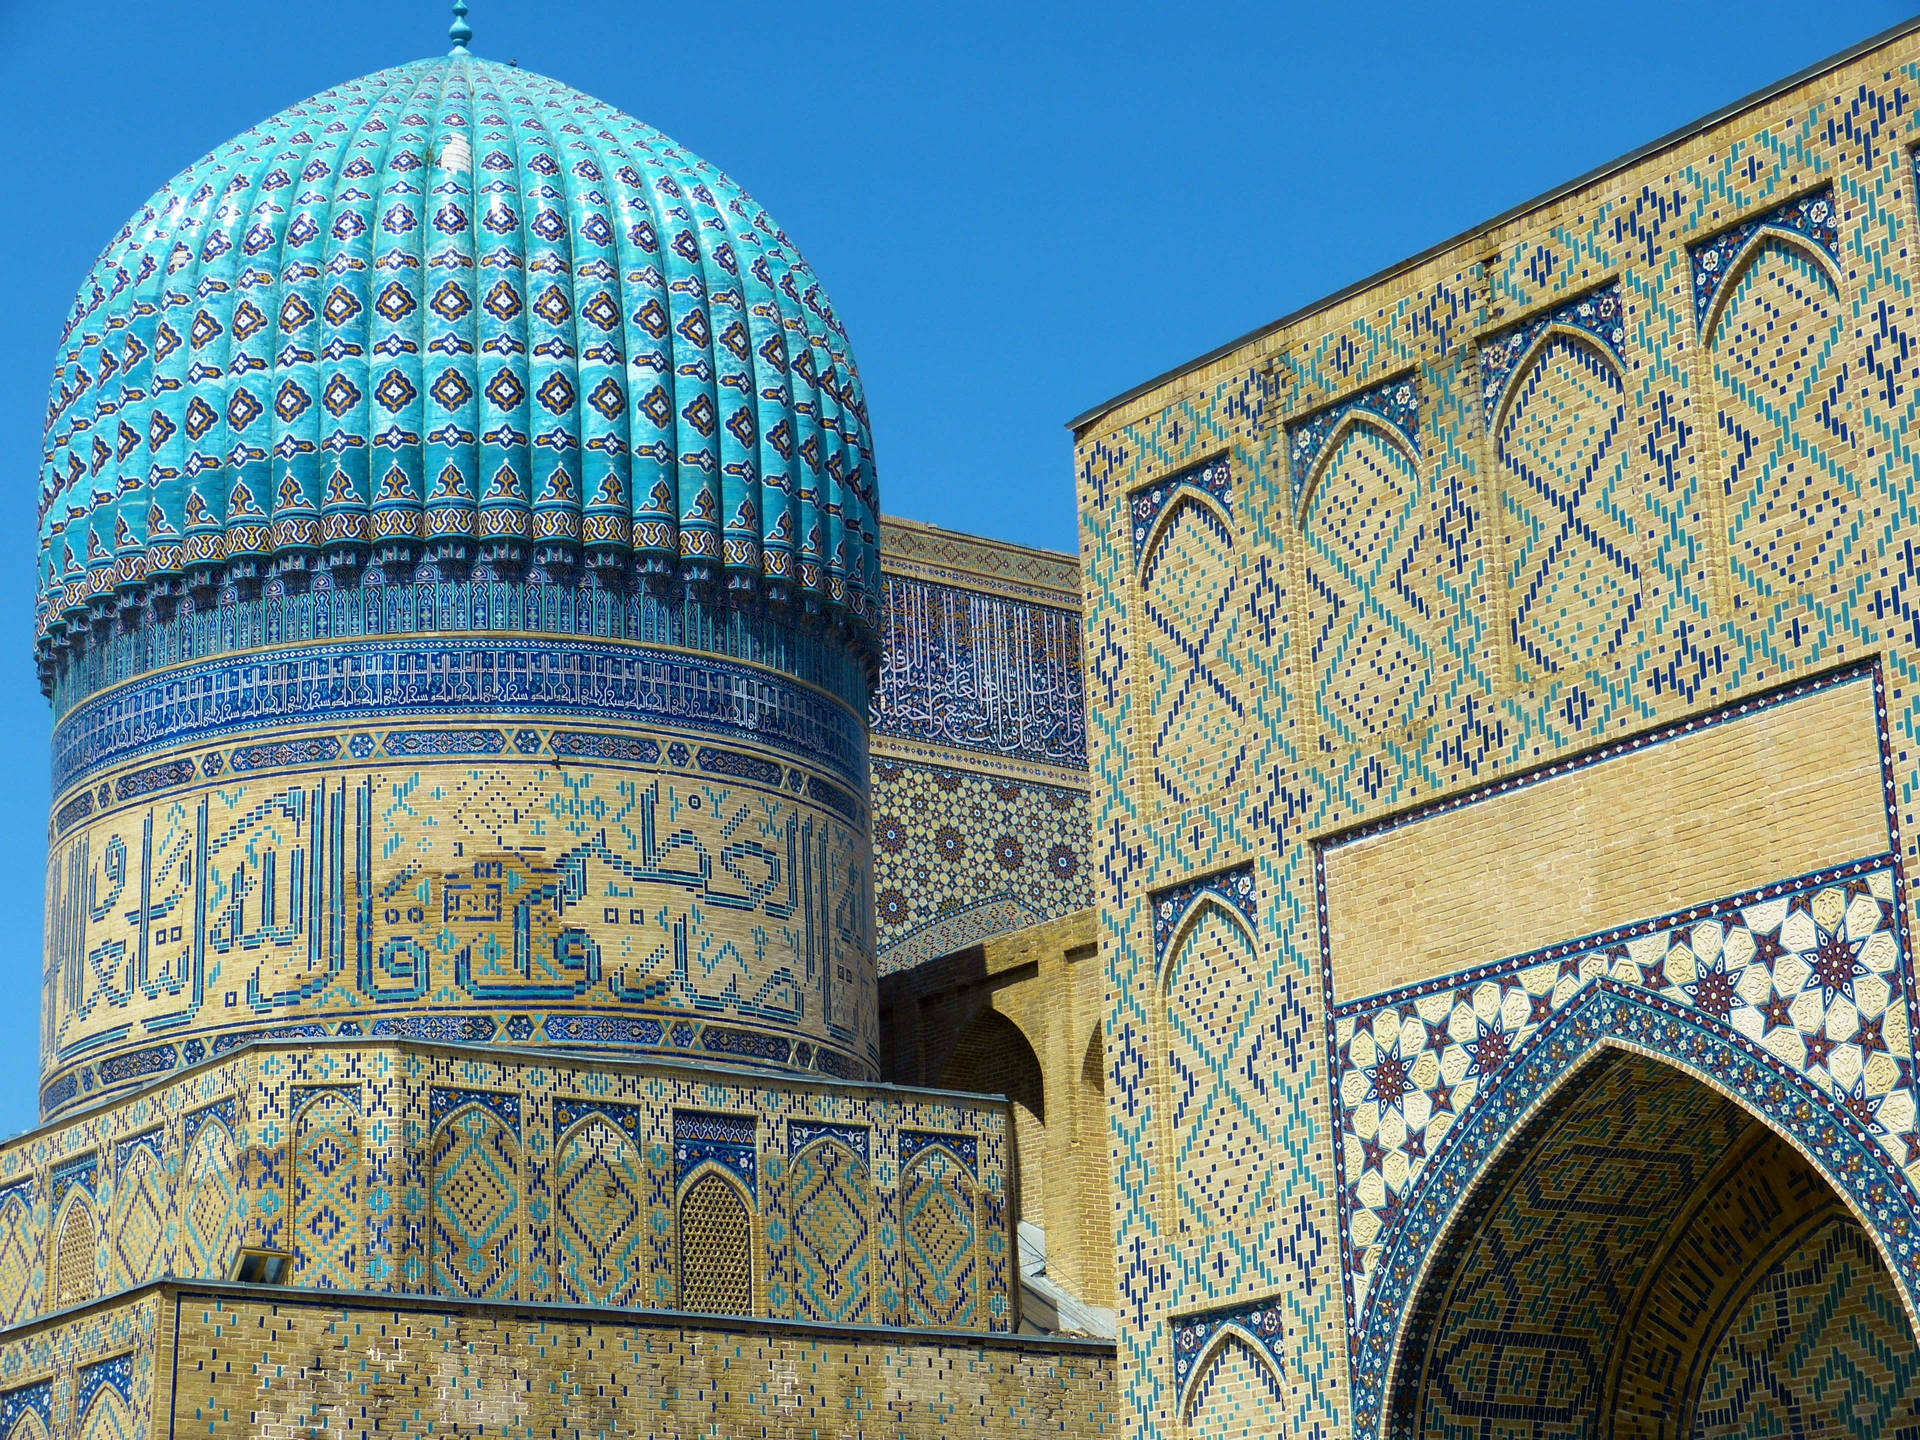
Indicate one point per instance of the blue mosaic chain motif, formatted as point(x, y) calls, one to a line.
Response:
point(416, 679)
point(1598, 314)
point(725, 1140)
point(1397, 403)
point(629, 1119)
point(1811, 217)
point(83, 1172)
point(1213, 478)
point(505, 1106)
point(1233, 887)
point(225, 1111)
point(371, 611)
point(1264, 1322)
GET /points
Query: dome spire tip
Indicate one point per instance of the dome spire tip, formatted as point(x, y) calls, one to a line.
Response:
point(459, 32)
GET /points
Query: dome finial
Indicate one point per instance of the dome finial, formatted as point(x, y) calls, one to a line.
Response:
point(460, 32)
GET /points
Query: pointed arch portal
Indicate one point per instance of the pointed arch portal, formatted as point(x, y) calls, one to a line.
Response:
point(1646, 1257)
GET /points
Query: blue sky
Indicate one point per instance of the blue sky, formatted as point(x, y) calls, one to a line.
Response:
point(1019, 209)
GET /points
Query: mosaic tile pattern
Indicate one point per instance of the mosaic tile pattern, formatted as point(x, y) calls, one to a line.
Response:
point(1820, 1347)
point(979, 744)
point(1808, 976)
point(959, 856)
point(1394, 406)
point(1212, 481)
point(1715, 262)
point(469, 1173)
point(688, 897)
point(453, 310)
point(976, 671)
point(1636, 614)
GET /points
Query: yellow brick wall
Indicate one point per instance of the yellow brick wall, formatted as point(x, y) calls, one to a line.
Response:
point(1045, 981)
point(1728, 809)
point(272, 1368)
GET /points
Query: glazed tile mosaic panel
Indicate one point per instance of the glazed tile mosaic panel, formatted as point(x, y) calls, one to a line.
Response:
point(979, 743)
point(1595, 529)
point(397, 1167)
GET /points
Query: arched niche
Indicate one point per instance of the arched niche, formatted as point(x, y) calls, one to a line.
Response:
point(1373, 604)
point(716, 1244)
point(600, 1218)
point(1192, 643)
point(1569, 541)
point(993, 1056)
point(830, 1188)
point(1600, 1276)
point(474, 1239)
point(1775, 343)
point(1217, 1127)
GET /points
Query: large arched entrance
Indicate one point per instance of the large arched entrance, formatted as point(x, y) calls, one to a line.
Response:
point(1648, 1259)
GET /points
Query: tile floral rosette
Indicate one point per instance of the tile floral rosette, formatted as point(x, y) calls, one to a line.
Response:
point(1808, 973)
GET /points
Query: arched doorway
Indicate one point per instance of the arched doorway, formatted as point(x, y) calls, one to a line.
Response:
point(1649, 1259)
point(993, 1057)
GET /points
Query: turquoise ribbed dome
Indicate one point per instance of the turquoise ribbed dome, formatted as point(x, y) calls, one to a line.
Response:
point(453, 314)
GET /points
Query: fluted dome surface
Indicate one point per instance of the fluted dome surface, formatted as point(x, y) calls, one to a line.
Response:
point(458, 313)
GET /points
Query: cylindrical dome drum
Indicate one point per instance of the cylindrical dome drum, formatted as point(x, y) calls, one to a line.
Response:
point(458, 579)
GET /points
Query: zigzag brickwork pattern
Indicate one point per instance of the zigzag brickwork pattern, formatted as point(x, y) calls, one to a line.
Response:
point(1620, 508)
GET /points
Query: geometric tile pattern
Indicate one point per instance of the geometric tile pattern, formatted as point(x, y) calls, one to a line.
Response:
point(959, 856)
point(1787, 457)
point(1535, 1300)
point(1805, 980)
point(832, 1201)
point(1374, 605)
point(1394, 407)
point(1681, 652)
point(1808, 219)
point(1596, 318)
point(138, 1230)
point(210, 1207)
point(942, 1280)
point(377, 1165)
point(19, 1253)
point(1236, 1393)
point(1569, 547)
point(1215, 1128)
point(1202, 1345)
point(1212, 482)
point(599, 1231)
point(1819, 1347)
point(327, 1174)
point(1173, 908)
point(477, 1194)
point(491, 318)
point(1193, 607)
